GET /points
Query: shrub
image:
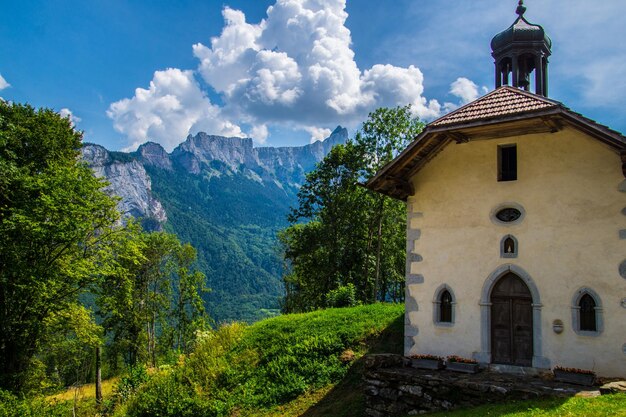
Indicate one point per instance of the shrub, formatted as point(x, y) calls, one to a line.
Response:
point(165, 395)
point(129, 384)
point(344, 296)
point(11, 406)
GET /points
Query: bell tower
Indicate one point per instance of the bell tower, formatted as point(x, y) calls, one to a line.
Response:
point(521, 55)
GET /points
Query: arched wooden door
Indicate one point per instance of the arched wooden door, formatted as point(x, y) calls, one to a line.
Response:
point(511, 322)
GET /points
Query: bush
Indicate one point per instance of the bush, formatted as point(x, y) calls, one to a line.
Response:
point(130, 383)
point(165, 395)
point(11, 406)
point(344, 296)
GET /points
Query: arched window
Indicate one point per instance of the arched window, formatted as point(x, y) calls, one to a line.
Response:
point(587, 313)
point(443, 306)
point(508, 247)
point(587, 317)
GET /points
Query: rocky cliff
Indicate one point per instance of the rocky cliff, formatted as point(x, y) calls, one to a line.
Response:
point(128, 180)
point(216, 155)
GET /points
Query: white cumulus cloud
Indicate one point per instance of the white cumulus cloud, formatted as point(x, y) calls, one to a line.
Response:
point(3, 83)
point(173, 106)
point(293, 69)
point(297, 66)
point(317, 133)
point(67, 113)
point(259, 133)
point(465, 89)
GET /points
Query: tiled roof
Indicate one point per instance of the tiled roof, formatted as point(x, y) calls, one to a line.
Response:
point(500, 102)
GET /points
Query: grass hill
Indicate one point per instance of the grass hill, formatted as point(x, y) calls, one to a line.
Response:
point(305, 364)
point(247, 370)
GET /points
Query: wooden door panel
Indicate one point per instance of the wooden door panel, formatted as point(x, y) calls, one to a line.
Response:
point(511, 322)
point(501, 331)
point(522, 332)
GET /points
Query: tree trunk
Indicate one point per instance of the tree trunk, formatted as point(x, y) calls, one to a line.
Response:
point(153, 347)
point(98, 377)
point(377, 273)
point(379, 241)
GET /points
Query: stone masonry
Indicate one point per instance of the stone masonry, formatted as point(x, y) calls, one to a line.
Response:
point(393, 388)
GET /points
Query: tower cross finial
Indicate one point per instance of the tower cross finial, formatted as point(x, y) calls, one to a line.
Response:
point(521, 9)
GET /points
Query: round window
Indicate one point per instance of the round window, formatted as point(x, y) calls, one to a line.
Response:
point(508, 214)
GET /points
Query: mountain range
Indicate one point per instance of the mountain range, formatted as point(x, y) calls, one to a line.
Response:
point(225, 197)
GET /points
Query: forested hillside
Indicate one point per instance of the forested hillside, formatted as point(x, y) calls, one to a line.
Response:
point(232, 222)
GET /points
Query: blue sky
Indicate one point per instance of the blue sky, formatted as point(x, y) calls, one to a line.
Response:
point(131, 71)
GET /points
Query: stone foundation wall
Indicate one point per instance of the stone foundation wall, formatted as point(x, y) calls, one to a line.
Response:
point(395, 389)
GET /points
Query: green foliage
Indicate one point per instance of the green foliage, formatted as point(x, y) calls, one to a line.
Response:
point(188, 306)
point(134, 378)
point(70, 339)
point(12, 406)
point(270, 362)
point(55, 222)
point(165, 395)
point(150, 298)
point(344, 296)
point(342, 234)
point(606, 405)
point(210, 357)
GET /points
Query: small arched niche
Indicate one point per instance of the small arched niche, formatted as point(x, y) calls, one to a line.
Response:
point(509, 247)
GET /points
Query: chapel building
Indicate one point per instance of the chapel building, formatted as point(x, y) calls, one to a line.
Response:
point(516, 225)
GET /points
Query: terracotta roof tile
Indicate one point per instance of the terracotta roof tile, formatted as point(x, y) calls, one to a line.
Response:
point(503, 101)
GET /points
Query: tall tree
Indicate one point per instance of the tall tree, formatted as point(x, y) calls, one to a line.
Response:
point(54, 218)
point(342, 234)
point(150, 291)
point(188, 314)
point(324, 251)
point(386, 132)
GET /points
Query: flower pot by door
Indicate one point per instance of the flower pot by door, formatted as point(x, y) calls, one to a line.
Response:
point(427, 364)
point(574, 377)
point(468, 368)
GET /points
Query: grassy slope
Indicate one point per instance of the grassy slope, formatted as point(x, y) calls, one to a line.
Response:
point(344, 398)
point(245, 371)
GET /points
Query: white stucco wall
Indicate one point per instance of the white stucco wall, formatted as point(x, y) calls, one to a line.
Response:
point(569, 238)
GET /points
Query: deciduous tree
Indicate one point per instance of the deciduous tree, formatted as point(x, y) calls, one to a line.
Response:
point(342, 234)
point(54, 220)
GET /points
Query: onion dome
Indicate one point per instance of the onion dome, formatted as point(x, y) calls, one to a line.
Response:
point(521, 55)
point(520, 31)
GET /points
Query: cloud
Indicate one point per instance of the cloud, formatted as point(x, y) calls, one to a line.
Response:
point(67, 113)
point(172, 107)
point(391, 86)
point(318, 133)
point(295, 69)
point(601, 86)
point(259, 133)
point(298, 66)
point(465, 89)
point(3, 83)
